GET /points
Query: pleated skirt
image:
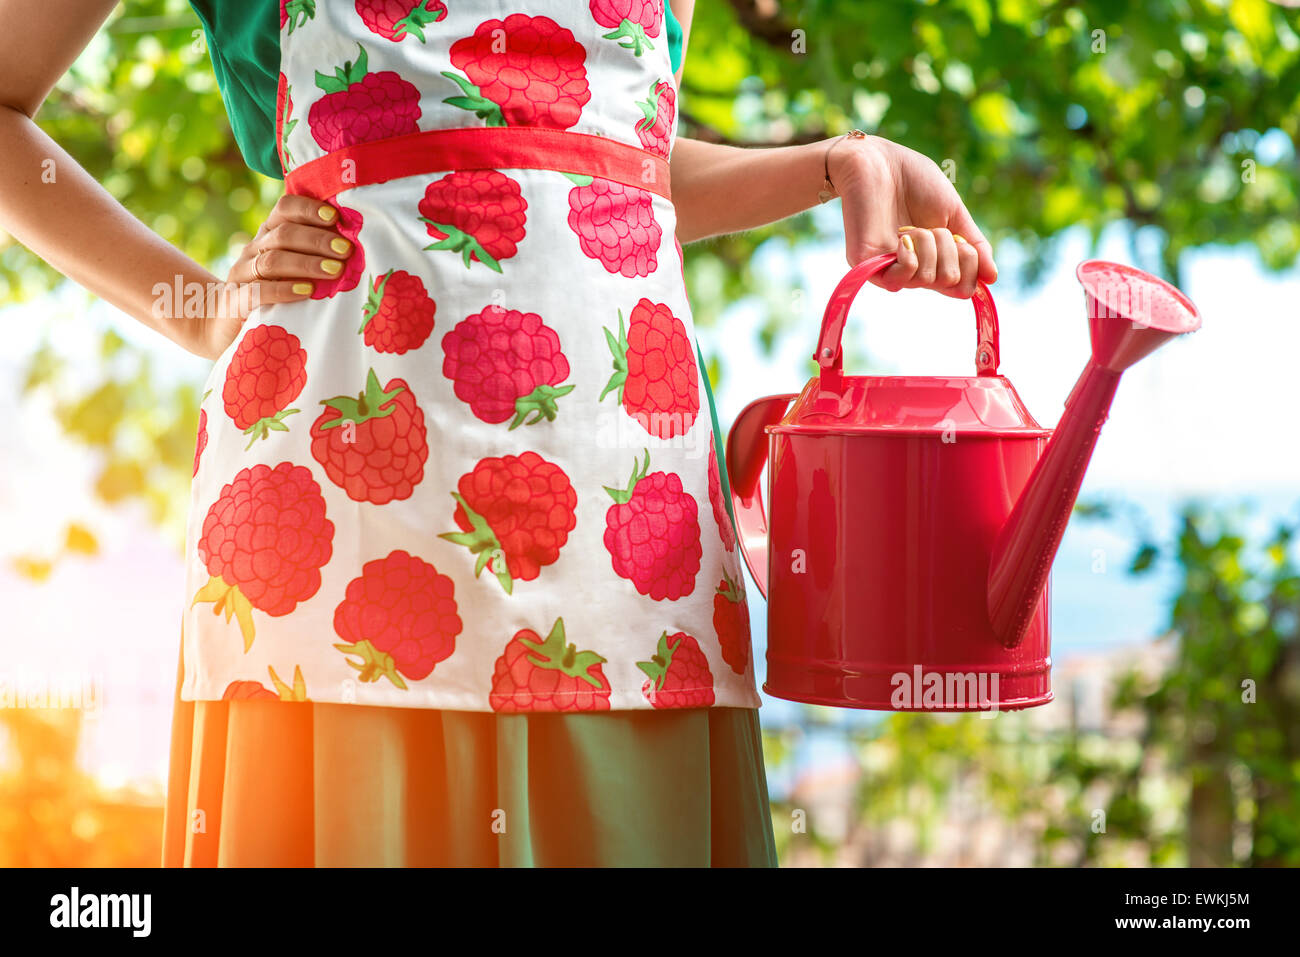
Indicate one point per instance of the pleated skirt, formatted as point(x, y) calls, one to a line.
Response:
point(261, 783)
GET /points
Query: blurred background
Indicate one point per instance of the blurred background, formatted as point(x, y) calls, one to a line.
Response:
point(1158, 133)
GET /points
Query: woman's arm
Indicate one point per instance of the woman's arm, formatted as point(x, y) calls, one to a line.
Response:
point(684, 11)
point(893, 200)
point(58, 211)
point(727, 189)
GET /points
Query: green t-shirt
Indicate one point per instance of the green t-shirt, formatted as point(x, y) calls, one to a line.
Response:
point(244, 40)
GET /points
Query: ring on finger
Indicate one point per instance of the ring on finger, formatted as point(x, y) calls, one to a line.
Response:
point(257, 273)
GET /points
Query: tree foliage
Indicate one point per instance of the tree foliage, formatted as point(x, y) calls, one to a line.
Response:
point(1047, 115)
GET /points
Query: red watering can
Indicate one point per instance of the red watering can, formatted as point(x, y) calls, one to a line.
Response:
point(913, 519)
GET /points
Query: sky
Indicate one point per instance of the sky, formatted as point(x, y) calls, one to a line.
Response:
point(1210, 415)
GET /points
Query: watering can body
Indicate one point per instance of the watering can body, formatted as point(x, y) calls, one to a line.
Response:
point(878, 546)
point(910, 527)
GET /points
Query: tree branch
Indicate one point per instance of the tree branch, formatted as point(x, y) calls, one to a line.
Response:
point(763, 21)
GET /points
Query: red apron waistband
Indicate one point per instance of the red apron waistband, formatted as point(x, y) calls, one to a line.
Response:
point(491, 147)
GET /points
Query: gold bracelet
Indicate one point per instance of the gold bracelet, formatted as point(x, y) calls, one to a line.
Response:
point(828, 188)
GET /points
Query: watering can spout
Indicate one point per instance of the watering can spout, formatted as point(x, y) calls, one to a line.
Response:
point(1130, 315)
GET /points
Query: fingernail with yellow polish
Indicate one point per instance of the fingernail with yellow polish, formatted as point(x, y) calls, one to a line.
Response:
point(957, 237)
point(331, 266)
point(907, 241)
point(302, 288)
point(903, 229)
point(327, 213)
point(340, 246)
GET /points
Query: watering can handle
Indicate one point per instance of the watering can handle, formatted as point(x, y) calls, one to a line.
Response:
point(746, 455)
point(830, 353)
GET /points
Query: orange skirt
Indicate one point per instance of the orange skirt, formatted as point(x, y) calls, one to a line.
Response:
point(260, 783)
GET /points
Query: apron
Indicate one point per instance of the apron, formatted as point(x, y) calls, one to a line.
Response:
point(479, 470)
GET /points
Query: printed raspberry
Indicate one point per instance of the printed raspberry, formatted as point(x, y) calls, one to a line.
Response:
point(398, 315)
point(731, 622)
point(349, 226)
point(248, 690)
point(266, 373)
point(720, 513)
point(516, 508)
point(655, 128)
point(677, 675)
point(632, 20)
point(399, 617)
point(652, 533)
point(477, 213)
point(397, 19)
point(506, 363)
point(283, 123)
point(373, 444)
point(296, 13)
point(537, 675)
point(201, 442)
point(255, 690)
point(264, 542)
point(615, 224)
point(359, 106)
point(523, 71)
point(655, 376)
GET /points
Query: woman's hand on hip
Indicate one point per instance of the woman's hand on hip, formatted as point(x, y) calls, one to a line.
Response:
point(897, 200)
point(295, 248)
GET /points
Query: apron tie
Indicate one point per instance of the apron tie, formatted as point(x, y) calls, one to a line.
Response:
point(493, 147)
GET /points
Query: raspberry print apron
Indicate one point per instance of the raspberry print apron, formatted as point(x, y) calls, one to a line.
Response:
point(478, 470)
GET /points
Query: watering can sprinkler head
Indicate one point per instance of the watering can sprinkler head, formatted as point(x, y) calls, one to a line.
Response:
point(1130, 314)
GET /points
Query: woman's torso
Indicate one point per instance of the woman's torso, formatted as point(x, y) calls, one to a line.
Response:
point(478, 471)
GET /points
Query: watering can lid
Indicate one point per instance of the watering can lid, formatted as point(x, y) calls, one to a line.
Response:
point(912, 404)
